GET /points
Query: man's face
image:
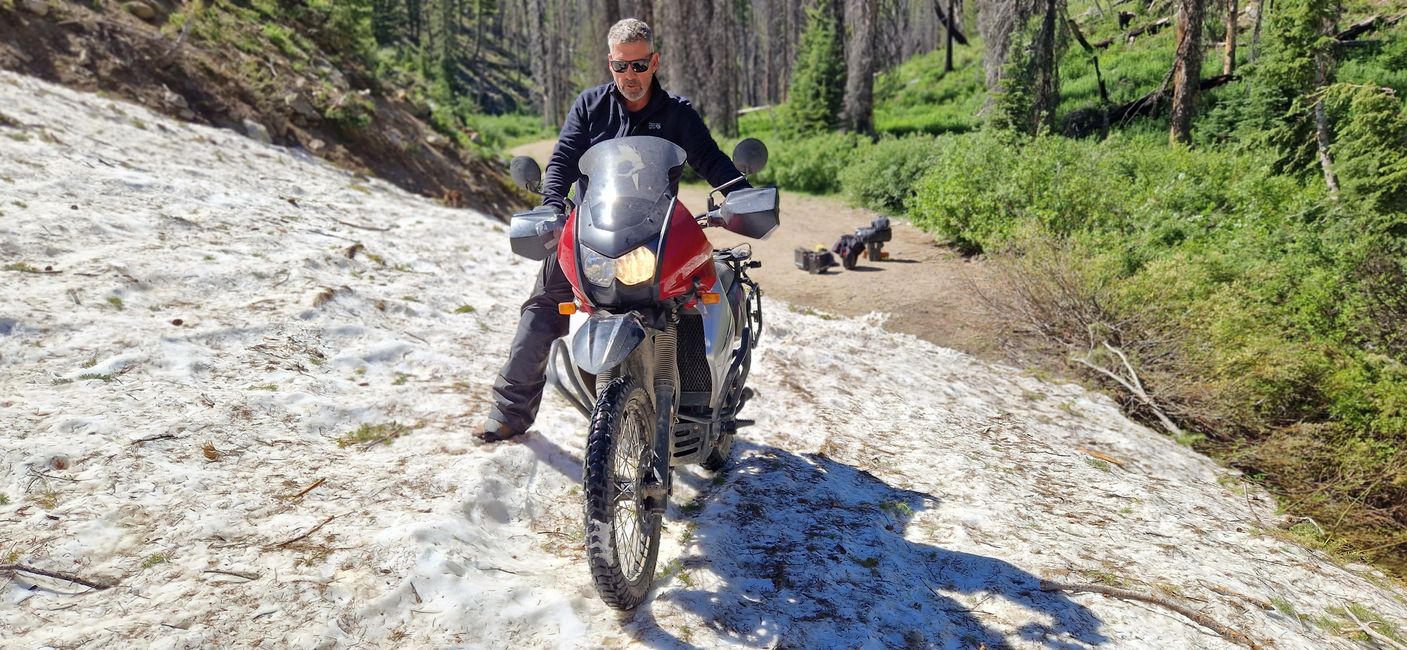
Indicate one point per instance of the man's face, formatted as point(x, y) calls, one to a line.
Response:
point(633, 85)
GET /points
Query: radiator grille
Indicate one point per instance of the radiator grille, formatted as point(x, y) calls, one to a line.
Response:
point(693, 363)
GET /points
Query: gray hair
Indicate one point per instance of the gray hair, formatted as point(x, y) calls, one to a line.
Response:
point(630, 30)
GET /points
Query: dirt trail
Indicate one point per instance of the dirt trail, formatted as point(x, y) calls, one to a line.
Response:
point(927, 289)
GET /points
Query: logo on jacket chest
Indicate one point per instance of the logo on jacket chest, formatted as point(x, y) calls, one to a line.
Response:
point(653, 126)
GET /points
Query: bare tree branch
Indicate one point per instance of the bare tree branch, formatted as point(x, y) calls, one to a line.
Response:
point(1377, 636)
point(55, 574)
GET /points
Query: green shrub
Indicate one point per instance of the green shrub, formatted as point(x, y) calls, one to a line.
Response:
point(1256, 309)
point(350, 111)
point(1383, 64)
point(812, 164)
point(279, 36)
point(510, 130)
point(883, 178)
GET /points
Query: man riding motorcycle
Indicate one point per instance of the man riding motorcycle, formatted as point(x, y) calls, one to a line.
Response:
point(633, 104)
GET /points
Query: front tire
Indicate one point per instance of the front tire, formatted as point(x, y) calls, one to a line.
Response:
point(622, 535)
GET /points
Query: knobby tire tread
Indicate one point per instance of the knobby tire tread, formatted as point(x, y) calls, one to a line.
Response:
point(611, 583)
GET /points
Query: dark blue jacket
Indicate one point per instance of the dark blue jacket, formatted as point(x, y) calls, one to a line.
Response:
point(599, 114)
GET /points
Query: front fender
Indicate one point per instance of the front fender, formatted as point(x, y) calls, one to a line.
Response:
point(605, 340)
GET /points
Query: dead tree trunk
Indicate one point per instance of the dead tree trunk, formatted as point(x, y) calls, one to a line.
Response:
point(1255, 33)
point(1046, 87)
point(858, 108)
point(949, 20)
point(1323, 71)
point(948, 67)
point(1093, 56)
point(537, 45)
point(1186, 66)
point(1228, 64)
point(1148, 105)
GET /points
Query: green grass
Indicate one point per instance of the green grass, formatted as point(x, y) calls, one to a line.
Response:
point(1377, 621)
point(48, 499)
point(153, 560)
point(918, 96)
point(116, 302)
point(370, 434)
point(675, 569)
point(510, 130)
point(1098, 464)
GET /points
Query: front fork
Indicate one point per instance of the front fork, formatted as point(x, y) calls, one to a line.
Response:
point(657, 489)
point(656, 358)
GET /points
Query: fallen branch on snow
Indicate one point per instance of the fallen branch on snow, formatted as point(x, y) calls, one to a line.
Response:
point(308, 489)
point(312, 530)
point(237, 574)
point(357, 225)
point(55, 574)
point(1197, 617)
point(1131, 384)
point(1377, 636)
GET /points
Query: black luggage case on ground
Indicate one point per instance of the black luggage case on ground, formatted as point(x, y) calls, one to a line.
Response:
point(812, 261)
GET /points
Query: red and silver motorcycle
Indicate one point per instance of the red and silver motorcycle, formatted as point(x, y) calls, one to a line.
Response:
point(660, 365)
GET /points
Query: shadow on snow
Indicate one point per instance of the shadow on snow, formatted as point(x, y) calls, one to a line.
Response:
point(811, 553)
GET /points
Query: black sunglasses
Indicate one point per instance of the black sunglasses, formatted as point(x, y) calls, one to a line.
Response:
point(638, 65)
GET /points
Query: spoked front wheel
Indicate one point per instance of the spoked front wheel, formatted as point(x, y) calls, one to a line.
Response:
point(622, 532)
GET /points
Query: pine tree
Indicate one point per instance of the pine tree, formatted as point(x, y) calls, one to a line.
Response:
point(1027, 88)
point(1298, 60)
point(818, 81)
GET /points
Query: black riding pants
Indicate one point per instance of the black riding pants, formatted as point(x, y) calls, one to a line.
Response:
point(517, 393)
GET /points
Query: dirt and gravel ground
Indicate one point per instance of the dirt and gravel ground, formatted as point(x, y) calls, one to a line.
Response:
point(927, 289)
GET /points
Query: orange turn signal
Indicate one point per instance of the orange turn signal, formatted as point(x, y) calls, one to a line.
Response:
point(710, 298)
point(566, 308)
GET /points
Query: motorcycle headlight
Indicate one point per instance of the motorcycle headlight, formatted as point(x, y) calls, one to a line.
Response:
point(598, 268)
point(633, 268)
point(636, 266)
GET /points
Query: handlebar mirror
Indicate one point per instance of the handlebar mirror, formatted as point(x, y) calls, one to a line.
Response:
point(526, 173)
point(750, 156)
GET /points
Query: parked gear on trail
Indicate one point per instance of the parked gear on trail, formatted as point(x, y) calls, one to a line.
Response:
point(867, 239)
point(848, 249)
point(814, 261)
point(874, 237)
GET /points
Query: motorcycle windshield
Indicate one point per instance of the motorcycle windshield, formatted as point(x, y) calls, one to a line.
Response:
point(629, 188)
